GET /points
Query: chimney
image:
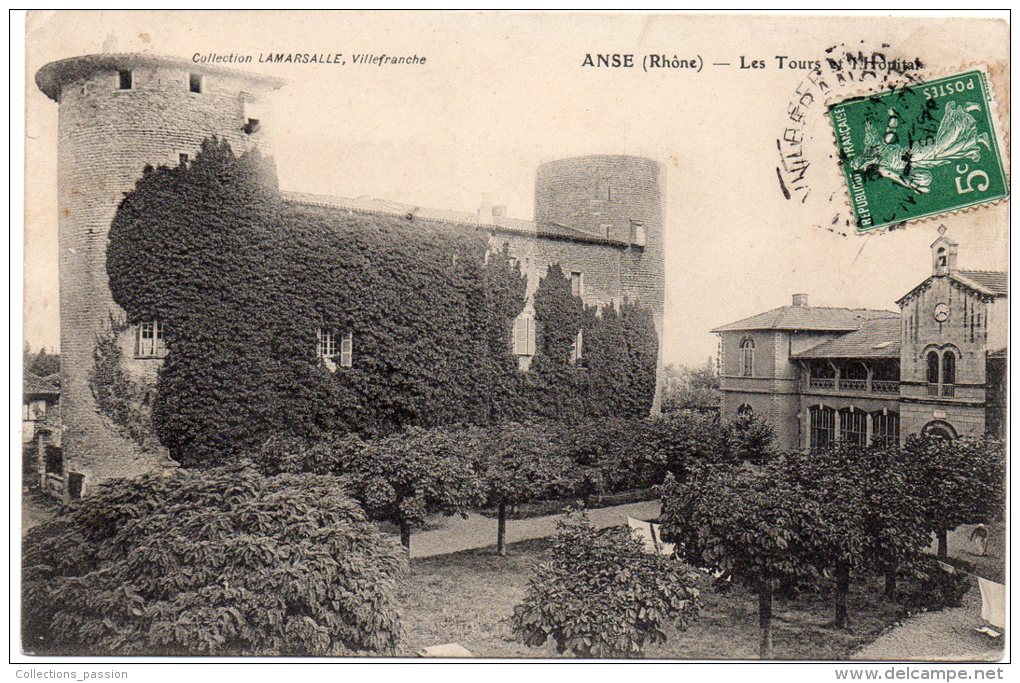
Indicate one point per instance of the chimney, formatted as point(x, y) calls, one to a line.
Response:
point(800, 300)
point(485, 211)
point(110, 44)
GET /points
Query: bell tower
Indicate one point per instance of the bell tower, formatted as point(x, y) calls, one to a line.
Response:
point(943, 254)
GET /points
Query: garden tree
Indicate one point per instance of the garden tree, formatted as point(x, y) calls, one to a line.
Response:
point(223, 561)
point(404, 477)
point(40, 363)
point(871, 519)
point(601, 595)
point(836, 480)
point(748, 524)
point(685, 388)
point(752, 439)
point(521, 463)
point(896, 519)
point(684, 439)
point(962, 481)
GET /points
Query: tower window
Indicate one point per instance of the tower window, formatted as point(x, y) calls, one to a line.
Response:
point(638, 237)
point(127, 80)
point(195, 83)
point(577, 283)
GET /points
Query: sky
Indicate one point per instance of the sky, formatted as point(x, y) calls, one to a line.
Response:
point(501, 93)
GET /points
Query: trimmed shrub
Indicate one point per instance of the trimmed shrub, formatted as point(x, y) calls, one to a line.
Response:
point(929, 586)
point(690, 438)
point(220, 562)
point(620, 453)
point(601, 595)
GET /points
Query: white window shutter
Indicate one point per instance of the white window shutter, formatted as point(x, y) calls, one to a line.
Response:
point(347, 350)
point(531, 336)
point(521, 336)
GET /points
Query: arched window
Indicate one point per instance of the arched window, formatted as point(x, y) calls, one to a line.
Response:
point(940, 257)
point(747, 358)
point(939, 429)
point(948, 367)
point(885, 428)
point(745, 411)
point(933, 367)
point(822, 426)
point(853, 427)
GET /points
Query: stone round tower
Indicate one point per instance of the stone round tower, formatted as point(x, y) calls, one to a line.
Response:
point(621, 198)
point(117, 114)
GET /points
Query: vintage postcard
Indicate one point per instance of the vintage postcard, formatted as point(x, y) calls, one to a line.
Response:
point(514, 335)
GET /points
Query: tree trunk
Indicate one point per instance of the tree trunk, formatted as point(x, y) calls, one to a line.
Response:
point(405, 538)
point(501, 531)
point(765, 619)
point(842, 593)
point(890, 583)
point(943, 543)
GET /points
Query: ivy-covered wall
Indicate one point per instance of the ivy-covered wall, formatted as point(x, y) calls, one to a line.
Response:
point(242, 282)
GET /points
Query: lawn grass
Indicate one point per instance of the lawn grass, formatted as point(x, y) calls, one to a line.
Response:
point(468, 598)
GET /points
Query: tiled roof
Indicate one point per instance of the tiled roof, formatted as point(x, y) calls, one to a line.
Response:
point(461, 218)
point(993, 281)
point(877, 338)
point(37, 386)
point(808, 318)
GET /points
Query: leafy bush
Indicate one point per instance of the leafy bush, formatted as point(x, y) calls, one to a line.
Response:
point(690, 438)
point(601, 595)
point(617, 453)
point(220, 562)
point(931, 587)
point(753, 439)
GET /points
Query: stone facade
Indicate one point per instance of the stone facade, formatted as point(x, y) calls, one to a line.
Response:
point(599, 216)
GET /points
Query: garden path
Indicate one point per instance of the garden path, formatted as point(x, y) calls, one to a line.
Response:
point(456, 534)
point(948, 635)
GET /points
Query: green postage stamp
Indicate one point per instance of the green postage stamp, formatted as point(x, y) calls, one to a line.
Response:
point(919, 150)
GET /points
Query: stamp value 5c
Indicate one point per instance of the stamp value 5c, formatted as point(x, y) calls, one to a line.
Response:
point(920, 150)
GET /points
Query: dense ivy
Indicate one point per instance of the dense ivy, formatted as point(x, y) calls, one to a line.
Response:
point(221, 562)
point(122, 401)
point(243, 281)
